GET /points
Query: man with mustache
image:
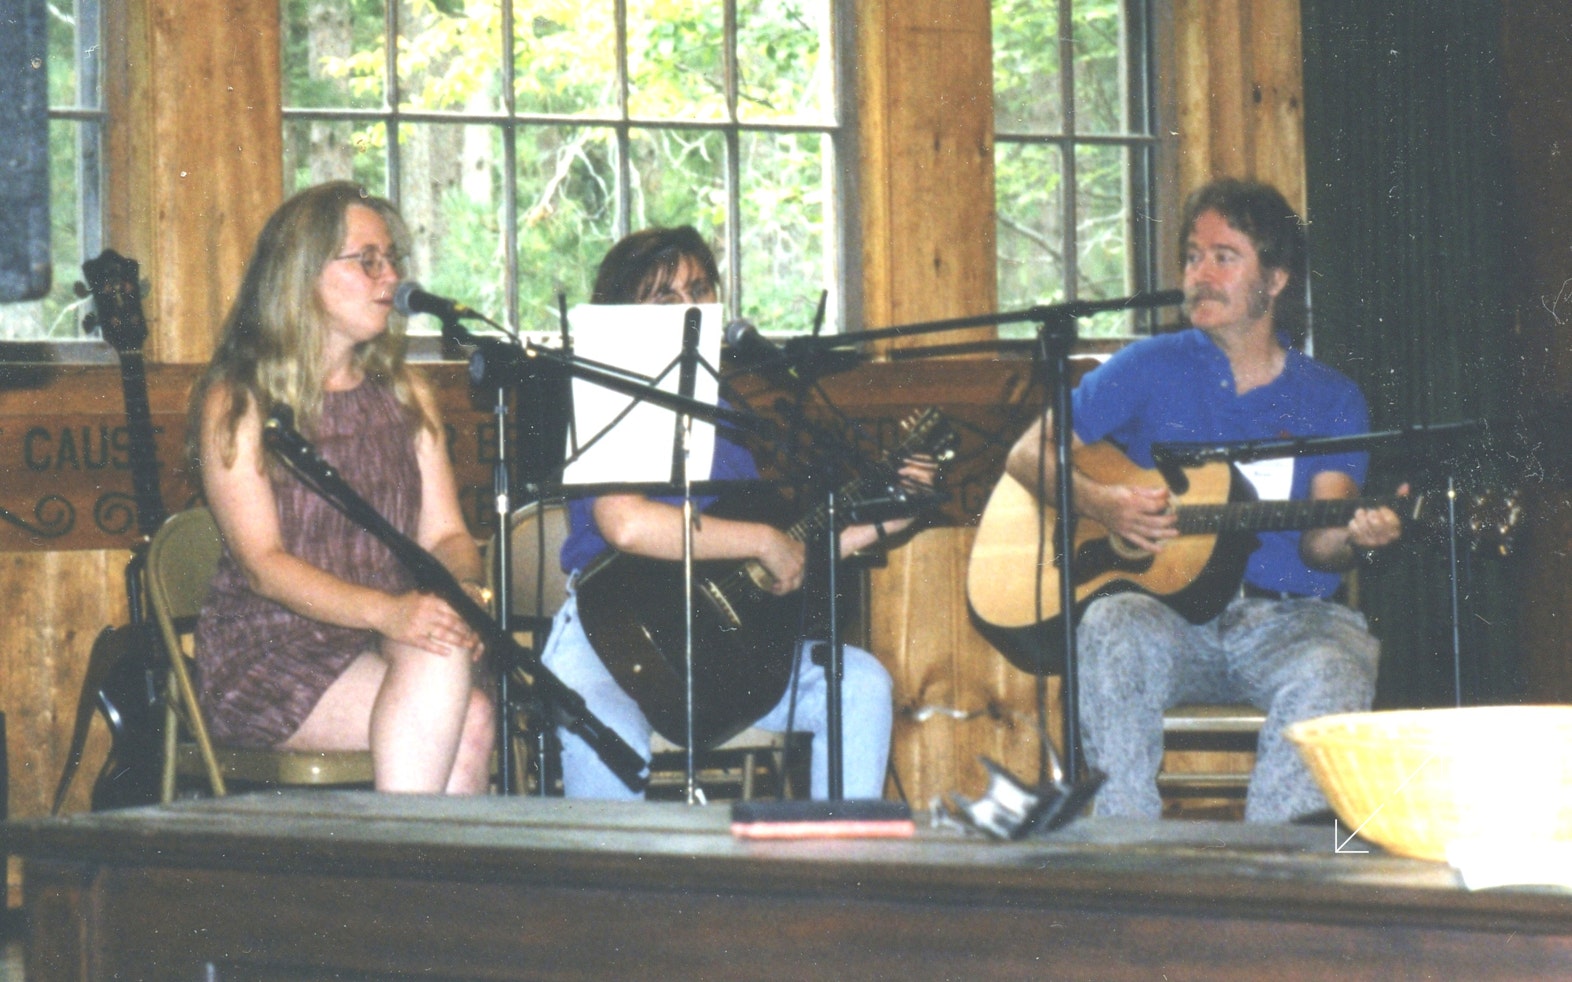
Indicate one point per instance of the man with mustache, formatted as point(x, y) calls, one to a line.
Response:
point(1284, 644)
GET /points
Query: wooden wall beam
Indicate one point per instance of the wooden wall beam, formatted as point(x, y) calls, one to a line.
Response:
point(1239, 71)
point(926, 138)
point(196, 155)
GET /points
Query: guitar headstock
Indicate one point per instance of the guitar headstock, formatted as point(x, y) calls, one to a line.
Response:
point(1492, 521)
point(1488, 519)
point(928, 433)
point(117, 301)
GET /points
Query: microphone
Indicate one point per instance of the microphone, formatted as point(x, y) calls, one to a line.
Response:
point(754, 350)
point(409, 299)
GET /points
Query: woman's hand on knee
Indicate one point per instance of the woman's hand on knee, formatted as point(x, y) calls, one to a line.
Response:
point(423, 621)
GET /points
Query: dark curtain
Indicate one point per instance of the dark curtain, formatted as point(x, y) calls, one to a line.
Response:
point(1405, 173)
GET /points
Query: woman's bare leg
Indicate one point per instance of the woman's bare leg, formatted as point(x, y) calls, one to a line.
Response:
point(428, 729)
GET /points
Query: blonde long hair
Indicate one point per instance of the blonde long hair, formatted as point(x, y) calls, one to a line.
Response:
point(270, 351)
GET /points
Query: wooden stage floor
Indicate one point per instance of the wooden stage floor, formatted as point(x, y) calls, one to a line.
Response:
point(354, 885)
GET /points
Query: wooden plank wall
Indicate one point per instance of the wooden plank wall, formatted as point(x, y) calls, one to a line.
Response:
point(1238, 77)
point(928, 254)
point(197, 168)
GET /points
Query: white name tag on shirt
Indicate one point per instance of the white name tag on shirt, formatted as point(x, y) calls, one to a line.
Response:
point(1273, 479)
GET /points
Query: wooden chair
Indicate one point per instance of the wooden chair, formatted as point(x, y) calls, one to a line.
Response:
point(181, 560)
point(540, 587)
point(1219, 740)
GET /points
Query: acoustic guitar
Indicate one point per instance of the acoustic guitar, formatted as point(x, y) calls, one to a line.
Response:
point(745, 639)
point(1196, 573)
point(126, 666)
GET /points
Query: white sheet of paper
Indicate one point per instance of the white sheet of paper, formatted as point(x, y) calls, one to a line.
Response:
point(646, 339)
point(1273, 479)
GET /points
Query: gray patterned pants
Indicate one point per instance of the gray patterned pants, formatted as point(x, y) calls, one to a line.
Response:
point(1295, 659)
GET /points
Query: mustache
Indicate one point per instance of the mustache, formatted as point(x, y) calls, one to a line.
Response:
point(1204, 293)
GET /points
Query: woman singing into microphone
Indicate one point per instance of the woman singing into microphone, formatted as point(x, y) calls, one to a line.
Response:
point(313, 637)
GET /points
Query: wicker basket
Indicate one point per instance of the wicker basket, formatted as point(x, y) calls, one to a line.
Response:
point(1415, 781)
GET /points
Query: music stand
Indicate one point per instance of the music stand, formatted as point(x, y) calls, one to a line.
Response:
point(543, 374)
point(822, 444)
point(644, 389)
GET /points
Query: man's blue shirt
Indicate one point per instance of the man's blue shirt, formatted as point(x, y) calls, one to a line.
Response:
point(1180, 388)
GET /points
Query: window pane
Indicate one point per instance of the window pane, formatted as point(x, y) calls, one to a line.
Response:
point(572, 190)
point(450, 57)
point(675, 63)
point(333, 54)
point(787, 254)
point(62, 52)
point(1102, 223)
point(783, 52)
point(450, 197)
point(567, 58)
point(56, 315)
point(1030, 228)
point(1100, 75)
point(567, 200)
point(317, 151)
point(1026, 67)
point(679, 178)
point(1103, 235)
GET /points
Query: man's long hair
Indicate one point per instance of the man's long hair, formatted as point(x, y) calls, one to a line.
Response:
point(1278, 233)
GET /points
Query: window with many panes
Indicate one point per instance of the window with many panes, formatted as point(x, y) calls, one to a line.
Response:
point(1073, 155)
point(611, 115)
point(521, 140)
point(76, 122)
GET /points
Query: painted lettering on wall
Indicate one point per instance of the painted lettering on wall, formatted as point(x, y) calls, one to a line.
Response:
point(78, 448)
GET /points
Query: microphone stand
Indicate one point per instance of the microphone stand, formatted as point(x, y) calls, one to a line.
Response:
point(502, 557)
point(281, 438)
point(1056, 335)
point(686, 379)
point(830, 448)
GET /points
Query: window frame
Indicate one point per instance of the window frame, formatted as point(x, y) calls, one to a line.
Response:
point(842, 233)
point(1147, 173)
point(90, 115)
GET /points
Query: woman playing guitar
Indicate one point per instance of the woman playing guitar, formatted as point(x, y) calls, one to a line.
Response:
point(676, 266)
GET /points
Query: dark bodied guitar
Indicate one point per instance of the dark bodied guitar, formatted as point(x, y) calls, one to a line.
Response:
point(125, 669)
point(1196, 573)
point(744, 637)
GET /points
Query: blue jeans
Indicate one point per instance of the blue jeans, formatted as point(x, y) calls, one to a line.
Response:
point(1296, 659)
point(866, 716)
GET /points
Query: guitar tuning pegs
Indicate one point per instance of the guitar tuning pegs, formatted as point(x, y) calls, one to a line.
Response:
point(80, 289)
point(89, 323)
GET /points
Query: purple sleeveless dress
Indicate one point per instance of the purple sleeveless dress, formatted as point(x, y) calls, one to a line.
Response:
point(262, 668)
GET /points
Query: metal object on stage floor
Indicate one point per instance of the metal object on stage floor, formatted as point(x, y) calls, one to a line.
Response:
point(1010, 809)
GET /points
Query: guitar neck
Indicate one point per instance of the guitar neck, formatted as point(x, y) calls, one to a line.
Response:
point(928, 433)
point(815, 521)
point(143, 450)
point(1270, 516)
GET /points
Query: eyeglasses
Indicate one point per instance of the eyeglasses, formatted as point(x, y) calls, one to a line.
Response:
point(373, 261)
